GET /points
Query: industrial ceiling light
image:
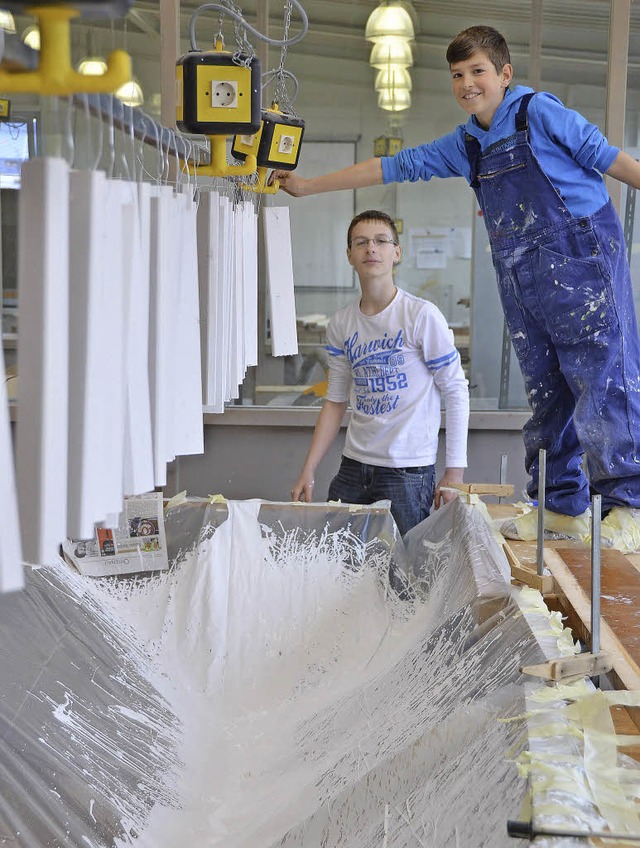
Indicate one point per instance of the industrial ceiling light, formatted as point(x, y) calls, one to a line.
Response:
point(7, 22)
point(394, 99)
point(394, 51)
point(31, 37)
point(92, 65)
point(391, 18)
point(393, 77)
point(131, 93)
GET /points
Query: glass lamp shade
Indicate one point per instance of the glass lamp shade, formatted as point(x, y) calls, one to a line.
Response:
point(392, 19)
point(131, 93)
point(31, 37)
point(7, 22)
point(394, 100)
point(92, 66)
point(393, 77)
point(392, 51)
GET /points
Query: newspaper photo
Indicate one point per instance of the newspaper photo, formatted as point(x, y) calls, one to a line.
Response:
point(137, 544)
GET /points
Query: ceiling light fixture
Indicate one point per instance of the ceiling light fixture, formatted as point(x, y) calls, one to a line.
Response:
point(7, 22)
point(92, 65)
point(31, 37)
point(393, 77)
point(391, 18)
point(396, 51)
point(394, 99)
point(131, 93)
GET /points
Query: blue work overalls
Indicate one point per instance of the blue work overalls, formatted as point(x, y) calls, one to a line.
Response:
point(567, 298)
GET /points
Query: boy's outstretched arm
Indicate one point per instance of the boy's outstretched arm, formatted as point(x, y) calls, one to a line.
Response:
point(327, 427)
point(626, 169)
point(360, 175)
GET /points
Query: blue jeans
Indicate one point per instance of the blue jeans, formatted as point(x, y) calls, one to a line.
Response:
point(410, 490)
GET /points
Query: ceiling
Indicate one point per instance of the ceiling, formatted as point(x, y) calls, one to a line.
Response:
point(574, 35)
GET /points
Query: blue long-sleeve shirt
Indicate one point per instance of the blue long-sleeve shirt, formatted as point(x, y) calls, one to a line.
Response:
point(572, 152)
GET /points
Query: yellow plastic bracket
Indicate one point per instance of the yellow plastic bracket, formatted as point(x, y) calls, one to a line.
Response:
point(55, 74)
point(261, 187)
point(219, 167)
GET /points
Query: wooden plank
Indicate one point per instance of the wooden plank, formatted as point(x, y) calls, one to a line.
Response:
point(529, 576)
point(580, 665)
point(572, 595)
point(498, 489)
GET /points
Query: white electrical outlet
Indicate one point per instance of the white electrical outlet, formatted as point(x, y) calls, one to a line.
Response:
point(247, 140)
point(224, 94)
point(286, 144)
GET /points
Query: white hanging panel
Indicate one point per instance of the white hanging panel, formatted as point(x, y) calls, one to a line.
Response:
point(226, 242)
point(188, 420)
point(138, 447)
point(277, 237)
point(175, 253)
point(11, 572)
point(119, 217)
point(250, 276)
point(238, 288)
point(208, 265)
point(89, 348)
point(159, 326)
point(43, 357)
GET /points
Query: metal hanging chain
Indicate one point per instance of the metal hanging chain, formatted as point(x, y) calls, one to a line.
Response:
point(281, 77)
point(228, 7)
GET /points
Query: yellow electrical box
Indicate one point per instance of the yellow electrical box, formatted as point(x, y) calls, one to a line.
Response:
point(277, 142)
point(218, 93)
point(387, 145)
point(5, 109)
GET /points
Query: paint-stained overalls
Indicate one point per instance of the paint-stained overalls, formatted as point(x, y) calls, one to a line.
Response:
point(567, 299)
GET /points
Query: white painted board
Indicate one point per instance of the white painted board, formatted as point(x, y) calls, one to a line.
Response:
point(138, 446)
point(250, 277)
point(88, 348)
point(43, 357)
point(11, 572)
point(188, 419)
point(279, 275)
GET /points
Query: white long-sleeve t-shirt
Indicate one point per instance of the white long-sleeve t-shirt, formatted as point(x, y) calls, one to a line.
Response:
point(396, 367)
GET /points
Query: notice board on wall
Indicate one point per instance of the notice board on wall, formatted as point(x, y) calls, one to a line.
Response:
point(319, 223)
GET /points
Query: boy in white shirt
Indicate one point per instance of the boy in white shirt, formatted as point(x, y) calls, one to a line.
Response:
point(392, 355)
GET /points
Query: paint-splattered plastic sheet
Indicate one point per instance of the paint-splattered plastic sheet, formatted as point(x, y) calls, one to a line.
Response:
point(300, 677)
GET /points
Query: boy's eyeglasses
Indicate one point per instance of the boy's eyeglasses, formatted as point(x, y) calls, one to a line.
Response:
point(379, 242)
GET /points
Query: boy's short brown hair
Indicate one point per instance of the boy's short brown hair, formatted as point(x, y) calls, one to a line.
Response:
point(373, 215)
point(476, 38)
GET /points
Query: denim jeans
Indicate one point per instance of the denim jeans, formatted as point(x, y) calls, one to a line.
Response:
point(410, 490)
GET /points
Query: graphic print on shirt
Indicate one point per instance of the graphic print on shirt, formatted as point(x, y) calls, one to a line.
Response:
point(378, 373)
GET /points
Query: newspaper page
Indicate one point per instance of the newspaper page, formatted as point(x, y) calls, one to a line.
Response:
point(137, 544)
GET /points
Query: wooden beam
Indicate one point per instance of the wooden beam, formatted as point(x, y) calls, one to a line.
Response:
point(499, 489)
point(580, 665)
point(535, 45)
point(169, 53)
point(618, 58)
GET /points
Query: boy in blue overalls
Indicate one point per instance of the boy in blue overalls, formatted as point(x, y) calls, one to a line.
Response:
point(558, 249)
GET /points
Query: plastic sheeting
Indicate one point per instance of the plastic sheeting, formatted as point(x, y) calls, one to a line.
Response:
point(307, 680)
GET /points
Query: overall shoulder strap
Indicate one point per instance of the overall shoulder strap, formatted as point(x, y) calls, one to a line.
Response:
point(522, 120)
